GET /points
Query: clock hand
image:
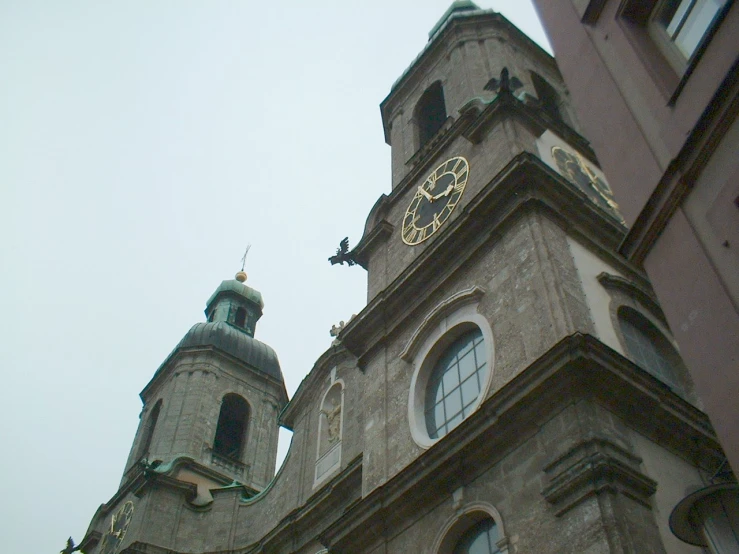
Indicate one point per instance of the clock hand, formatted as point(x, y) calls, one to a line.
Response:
point(425, 193)
point(446, 192)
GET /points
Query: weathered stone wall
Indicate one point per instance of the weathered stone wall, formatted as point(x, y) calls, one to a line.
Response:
point(192, 389)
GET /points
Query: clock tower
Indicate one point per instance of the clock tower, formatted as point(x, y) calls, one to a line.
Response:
point(210, 419)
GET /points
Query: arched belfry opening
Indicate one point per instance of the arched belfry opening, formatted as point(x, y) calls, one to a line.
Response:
point(232, 425)
point(240, 317)
point(548, 97)
point(148, 432)
point(430, 113)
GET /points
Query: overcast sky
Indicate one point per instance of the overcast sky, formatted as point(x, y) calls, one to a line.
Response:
point(143, 145)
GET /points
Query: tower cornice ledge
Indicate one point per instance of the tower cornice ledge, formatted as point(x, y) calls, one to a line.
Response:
point(578, 369)
point(525, 184)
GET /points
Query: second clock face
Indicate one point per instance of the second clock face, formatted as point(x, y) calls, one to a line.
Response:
point(113, 537)
point(435, 200)
point(575, 168)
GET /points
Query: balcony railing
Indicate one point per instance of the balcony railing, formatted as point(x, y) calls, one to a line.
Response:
point(232, 466)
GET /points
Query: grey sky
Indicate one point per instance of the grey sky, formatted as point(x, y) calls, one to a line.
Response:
point(142, 146)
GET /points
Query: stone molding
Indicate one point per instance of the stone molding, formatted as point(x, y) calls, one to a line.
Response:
point(634, 290)
point(592, 467)
point(578, 367)
point(471, 295)
point(526, 184)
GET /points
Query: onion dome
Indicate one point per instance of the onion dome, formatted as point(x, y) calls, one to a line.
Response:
point(232, 312)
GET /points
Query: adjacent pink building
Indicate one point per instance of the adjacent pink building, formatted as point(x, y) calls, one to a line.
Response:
point(655, 87)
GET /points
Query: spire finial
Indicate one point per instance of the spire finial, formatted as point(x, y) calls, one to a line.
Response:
point(241, 275)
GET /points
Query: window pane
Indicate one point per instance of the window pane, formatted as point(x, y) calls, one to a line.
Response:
point(674, 14)
point(465, 348)
point(453, 403)
point(453, 422)
point(435, 419)
point(470, 390)
point(450, 379)
point(696, 25)
point(467, 365)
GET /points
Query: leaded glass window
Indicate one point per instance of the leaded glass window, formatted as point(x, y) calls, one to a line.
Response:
point(455, 384)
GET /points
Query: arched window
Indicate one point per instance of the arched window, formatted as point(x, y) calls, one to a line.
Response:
point(475, 530)
point(231, 429)
point(482, 538)
point(430, 113)
point(648, 347)
point(453, 356)
point(455, 383)
point(240, 318)
point(548, 97)
point(148, 431)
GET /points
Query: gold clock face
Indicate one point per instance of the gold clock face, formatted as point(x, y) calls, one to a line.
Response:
point(435, 200)
point(577, 170)
point(119, 522)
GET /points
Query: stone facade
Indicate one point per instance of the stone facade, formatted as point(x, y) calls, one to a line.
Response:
point(568, 446)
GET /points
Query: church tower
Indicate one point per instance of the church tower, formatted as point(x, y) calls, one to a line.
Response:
point(511, 385)
point(210, 414)
point(216, 397)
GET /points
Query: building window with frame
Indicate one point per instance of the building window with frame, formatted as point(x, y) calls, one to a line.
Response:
point(680, 26)
point(453, 357)
point(648, 348)
point(455, 383)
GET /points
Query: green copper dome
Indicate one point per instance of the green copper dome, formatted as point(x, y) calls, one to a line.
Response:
point(235, 287)
point(237, 304)
point(233, 341)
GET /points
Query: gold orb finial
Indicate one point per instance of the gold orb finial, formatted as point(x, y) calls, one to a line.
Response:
point(241, 276)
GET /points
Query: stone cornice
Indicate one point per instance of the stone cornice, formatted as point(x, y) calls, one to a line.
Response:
point(577, 368)
point(476, 119)
point(467, 296)
point(169, 365)
point(592, 467)
point(331, 500)
point(640, 293)
point(527, 183)
point(330, 357)
point(379, 234)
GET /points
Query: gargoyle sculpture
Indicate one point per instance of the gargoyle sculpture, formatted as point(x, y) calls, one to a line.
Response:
point(343, 254)
point(70, 547)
